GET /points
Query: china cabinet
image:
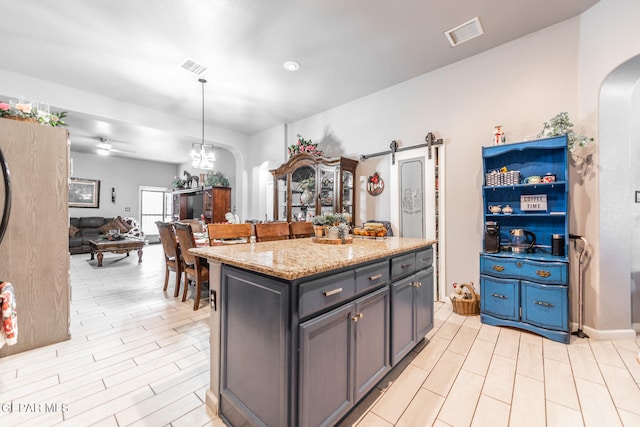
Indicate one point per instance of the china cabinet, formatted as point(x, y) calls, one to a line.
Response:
point(212, 202)
point(309, 185)
point(524, 272)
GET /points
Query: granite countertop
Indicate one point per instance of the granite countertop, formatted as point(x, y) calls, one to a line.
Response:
point(293, 259)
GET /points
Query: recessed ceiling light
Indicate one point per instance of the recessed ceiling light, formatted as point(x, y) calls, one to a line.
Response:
point(291, 66)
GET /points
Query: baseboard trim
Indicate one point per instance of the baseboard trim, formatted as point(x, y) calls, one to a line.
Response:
point(608, 334)
point(211, 404)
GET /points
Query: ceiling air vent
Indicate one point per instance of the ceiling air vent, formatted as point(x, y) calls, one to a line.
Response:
point(193, 66)
point(467, 31)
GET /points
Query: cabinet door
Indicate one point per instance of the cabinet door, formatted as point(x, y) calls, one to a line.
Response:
point(403, 333)
point(326, 366)
point(545, 305)
point(500, 297)
point(424, 302)
point(371, 344)
point(328, 190)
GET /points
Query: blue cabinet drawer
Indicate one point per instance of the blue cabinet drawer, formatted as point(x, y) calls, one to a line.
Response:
point(403, 265)
point(371, 276)
point(424, 259)
point(322, 293)
point(500, 297)
point(545, 305)
point(543, 272)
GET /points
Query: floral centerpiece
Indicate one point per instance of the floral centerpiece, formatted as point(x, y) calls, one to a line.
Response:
point(34, 112)
point(304, 146)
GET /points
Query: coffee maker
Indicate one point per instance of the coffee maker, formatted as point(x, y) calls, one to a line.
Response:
point(492, 237)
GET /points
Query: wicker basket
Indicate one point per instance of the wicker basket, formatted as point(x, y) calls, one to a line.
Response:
point(467, 307)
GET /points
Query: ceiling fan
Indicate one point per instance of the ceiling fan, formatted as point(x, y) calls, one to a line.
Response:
point(104, 148)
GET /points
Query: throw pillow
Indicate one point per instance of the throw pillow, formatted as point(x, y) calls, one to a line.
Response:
point(111, 225)
point(124, 226)
point(73, 230)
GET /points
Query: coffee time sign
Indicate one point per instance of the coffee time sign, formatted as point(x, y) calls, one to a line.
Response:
point(533, 202)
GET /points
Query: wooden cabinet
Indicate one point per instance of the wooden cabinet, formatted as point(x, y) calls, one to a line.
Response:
point(527, 289)
point(212, 202)
point(34, 254)
point(309, 185)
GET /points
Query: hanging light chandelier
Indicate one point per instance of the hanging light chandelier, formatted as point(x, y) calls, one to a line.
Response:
point(202, 155)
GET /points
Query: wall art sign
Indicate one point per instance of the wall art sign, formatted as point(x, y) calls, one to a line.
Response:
point(84, 193)
point(533, 202)
point(375, 184)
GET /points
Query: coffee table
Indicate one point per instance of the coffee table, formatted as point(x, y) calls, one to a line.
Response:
point(115, 246)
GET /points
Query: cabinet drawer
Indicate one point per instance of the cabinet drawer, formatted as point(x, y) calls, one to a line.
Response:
point(545, 305)
point(424, 259)
point(500, 297)
point(543, 272)
point(403, 265)
point(319, 294)
point(372, 276)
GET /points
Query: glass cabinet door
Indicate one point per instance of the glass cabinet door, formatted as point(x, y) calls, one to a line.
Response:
point(347, 193)
point(327, 190)
point(303, 193)
point(283, 198)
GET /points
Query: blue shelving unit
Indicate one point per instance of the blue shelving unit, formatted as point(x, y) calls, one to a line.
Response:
point(528, 290)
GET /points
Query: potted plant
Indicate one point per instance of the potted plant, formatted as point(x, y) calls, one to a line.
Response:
point(318, 221)
point(561, 125)
point(178, 183)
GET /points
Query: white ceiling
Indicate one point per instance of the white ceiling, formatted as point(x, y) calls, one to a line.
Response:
point(131, 51)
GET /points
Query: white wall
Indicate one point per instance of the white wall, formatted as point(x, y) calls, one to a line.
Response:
point(125, 175)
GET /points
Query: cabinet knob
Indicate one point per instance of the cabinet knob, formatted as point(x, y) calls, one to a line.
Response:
point(544, 304)
point(519, 264)
point(332, 292)
point(417, 284)
point(498, 268)
point(357, 317)
point(543, 273)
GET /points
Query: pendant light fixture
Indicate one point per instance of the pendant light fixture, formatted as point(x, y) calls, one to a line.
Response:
point(202, 155)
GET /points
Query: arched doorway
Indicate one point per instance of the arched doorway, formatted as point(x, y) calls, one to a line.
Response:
point(617, 296)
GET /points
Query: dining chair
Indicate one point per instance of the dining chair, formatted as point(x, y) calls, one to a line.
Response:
point(222, 231)
point(300, 229)
point(196, 224)
point(272, 231)
point(172, 258)
point(195, 268)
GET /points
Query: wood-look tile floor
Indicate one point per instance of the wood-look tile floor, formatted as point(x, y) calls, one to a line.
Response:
point(139, 356)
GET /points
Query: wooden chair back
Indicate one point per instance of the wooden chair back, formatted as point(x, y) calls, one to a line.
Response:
point(229, 231)
point(186, 242)
point(168, 239)
point(272, 231)
point(299, 230)
point(196, 225)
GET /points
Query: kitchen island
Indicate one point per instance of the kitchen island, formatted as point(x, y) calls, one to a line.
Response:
point(301, 331)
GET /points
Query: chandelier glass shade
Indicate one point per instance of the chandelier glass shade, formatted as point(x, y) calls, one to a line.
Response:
point(202, 156)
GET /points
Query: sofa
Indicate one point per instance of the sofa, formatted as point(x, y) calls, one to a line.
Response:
point(84, 229)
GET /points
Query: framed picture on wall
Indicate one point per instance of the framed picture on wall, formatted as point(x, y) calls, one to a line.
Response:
point(84, 193)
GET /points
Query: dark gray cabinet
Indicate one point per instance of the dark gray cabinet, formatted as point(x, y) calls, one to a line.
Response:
point(304, 352)
point(343, 354)
point(412, 312)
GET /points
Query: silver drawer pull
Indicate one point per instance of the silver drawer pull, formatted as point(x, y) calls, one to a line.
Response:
point(544, 304)
point(406, 265)
point(376, 277)
point(333, 292)
point(499, 296)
